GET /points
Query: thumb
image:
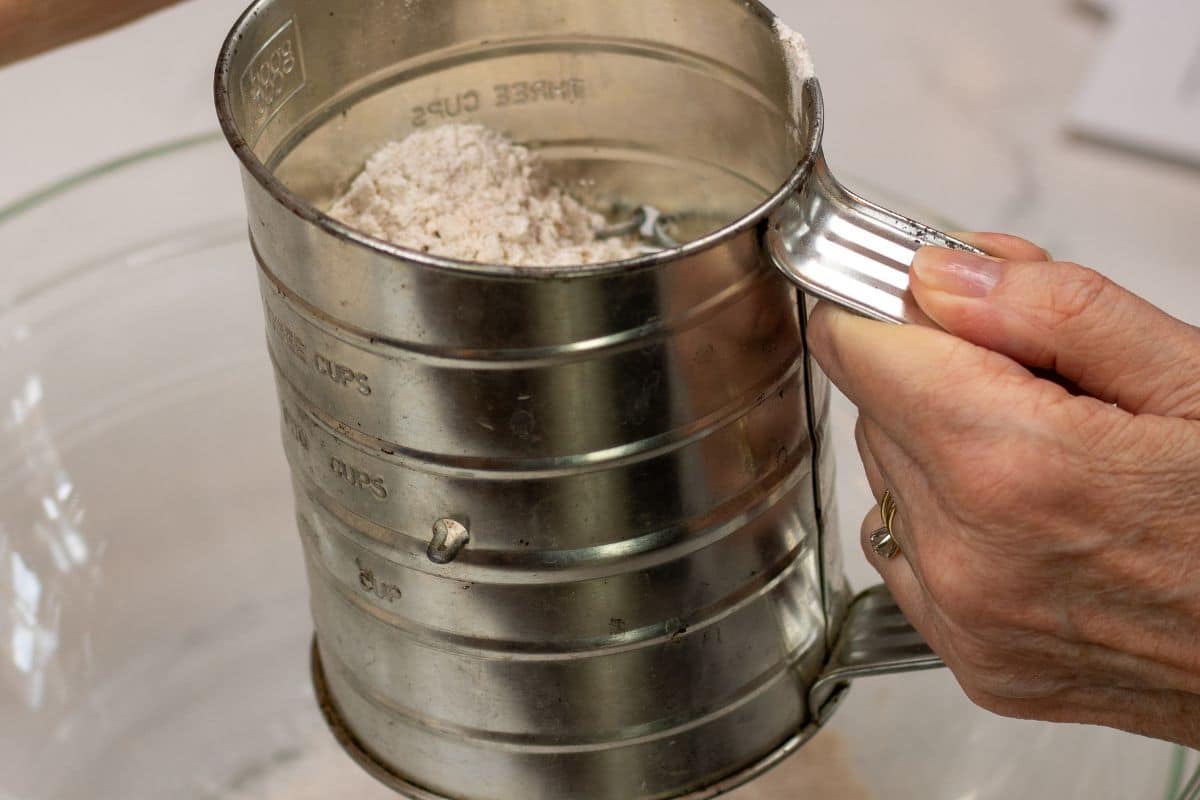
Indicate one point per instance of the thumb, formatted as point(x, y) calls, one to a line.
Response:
point(1070, 320)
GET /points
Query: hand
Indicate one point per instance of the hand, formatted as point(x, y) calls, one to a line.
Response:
point(29, 27)
point(1050, 538)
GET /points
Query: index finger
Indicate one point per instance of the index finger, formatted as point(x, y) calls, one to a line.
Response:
point(916, 382)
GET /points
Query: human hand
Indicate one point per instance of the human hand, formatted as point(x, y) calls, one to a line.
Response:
point(29, 27)
point(1050, 539)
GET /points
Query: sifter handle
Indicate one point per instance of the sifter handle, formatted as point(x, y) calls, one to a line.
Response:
point(839, 247)
point(875, 639)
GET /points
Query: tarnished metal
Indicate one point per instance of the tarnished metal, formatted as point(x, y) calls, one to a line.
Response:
point(449, 538)
point(561, 524)
point(646, 222)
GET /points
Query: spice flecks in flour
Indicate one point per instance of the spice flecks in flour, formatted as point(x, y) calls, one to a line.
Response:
point(470, 193)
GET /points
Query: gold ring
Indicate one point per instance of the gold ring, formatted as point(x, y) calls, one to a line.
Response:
point(883, 540)
point(887, 509)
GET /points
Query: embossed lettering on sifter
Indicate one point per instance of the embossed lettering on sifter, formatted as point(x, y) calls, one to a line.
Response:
point(273, 76)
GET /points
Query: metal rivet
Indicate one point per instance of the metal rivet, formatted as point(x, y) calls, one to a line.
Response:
point(449, 538)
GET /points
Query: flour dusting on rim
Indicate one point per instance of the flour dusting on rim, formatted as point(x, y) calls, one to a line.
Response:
point(799, 64)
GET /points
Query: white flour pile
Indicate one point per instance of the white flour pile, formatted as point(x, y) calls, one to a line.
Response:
point(800, 63)
point(468, 192)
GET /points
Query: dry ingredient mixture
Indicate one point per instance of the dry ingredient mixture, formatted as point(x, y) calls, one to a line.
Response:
point(470, 193)
point(800, 64)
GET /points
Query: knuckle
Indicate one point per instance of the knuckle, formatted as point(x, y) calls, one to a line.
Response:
point(990, 671)
point(989, 476)
point(984, 596)
point(959, 363)
point(987, 680)
point(985, 699)
point(1077, 293)
point(955, 588)
point(979, 696)
point(821, 339)
point(1007, 674)
point(956, 404)
point(1093, 427)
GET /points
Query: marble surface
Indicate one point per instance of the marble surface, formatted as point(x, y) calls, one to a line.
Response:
point(962, 113)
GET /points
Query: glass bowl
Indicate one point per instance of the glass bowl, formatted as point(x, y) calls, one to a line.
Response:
point(154, 628)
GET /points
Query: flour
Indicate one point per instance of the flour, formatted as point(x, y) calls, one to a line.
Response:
point(799, 63)
point(470, 193)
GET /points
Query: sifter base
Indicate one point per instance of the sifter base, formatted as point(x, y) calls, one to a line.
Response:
point(387, 777)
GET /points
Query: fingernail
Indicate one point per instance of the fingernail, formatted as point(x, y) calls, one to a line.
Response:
point(957, 272)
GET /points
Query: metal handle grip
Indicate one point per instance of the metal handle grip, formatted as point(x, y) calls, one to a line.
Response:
point(837, 246)
point(875, 639)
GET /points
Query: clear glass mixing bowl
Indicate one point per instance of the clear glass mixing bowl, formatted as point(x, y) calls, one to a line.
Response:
point(154, 628)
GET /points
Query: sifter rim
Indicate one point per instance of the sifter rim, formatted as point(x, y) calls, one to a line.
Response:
point(811, 102)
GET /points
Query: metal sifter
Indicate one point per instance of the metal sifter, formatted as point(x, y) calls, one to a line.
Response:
point(568, 531)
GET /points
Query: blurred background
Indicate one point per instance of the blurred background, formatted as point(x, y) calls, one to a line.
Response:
point(1073, 124)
